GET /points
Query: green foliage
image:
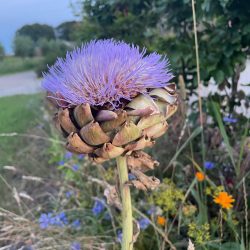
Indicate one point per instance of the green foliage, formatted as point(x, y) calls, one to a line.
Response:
point(23, 46)
point(2, 52)
point(36, 31)
point(66, 30)
point(11, 64)
point(51, 50)
point(168, 197)
point(200, 234)
point(166, 26)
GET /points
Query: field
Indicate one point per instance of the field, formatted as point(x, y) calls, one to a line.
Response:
point(13, 64)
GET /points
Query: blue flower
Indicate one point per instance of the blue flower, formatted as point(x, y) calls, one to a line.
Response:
point(75, 167)
point(46, 220)
point(229, 119)
point(119, 236)
point(144, 223)
point(107, 216)
point(81, 156)
point(61, 163)
point(152, 210)
point(106, 71)
point(76, 224)
point(68, 155)
point(69, 194)
point(63, 218)
point(75, 246)
point(131, 177)
point(209, 165)
point(98, 207)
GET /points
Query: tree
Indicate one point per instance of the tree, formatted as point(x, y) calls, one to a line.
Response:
point(66, 30)
point(37, 31)
point(2, 52)
point(167, 27)
point(23, 46)
point(127, 20)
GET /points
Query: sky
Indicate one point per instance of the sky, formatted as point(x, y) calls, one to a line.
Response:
point(16, 13)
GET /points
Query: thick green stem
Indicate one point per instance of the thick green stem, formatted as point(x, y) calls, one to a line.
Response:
point(127, 220)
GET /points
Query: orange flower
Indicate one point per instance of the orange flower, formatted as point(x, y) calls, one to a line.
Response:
point(200, 176)
point(224, 200)
point(161, 220)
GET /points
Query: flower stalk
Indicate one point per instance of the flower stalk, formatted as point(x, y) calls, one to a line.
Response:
point(127, 219)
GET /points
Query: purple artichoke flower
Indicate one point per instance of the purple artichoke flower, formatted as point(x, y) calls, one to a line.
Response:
point(105, 72)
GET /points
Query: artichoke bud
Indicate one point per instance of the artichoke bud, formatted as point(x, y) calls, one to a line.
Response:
point(83, 114)
point(128, 133)
point(93, 134)
point(65, 121)
point(76, 144)
point(109, 151)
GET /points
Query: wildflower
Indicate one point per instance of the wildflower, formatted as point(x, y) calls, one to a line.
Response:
point(209, 165)
point(98, 207)
point(189, 210)
point(131, 177)
point(229, 119)
point(45, 220)
point(161, 221)
point(200, 176)
point(75, 246)
point(107, 216)
point(168, 196)
point(61, 163)
point(69, 194)
point(75, 167)
point(144, 223)
point(81, 156)
point(119, 236)
point(224, 200)
point(151, 211)
point(106, 71)
point(200, 233)
point(76, 224)
point(68, 155)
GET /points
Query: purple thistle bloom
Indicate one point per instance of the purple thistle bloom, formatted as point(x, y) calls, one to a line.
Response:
point(229, 119)
point(209, 165)
point(105, 72)
point(144, 223)
point(98, 207)
point(75, 246)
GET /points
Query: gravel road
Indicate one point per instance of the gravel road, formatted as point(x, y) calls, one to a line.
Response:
point(19, 83)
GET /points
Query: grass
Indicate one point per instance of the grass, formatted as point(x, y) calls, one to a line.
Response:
point(18, 114)
point(13, 64)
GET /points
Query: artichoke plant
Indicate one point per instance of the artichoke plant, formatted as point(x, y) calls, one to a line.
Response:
point(114, 100)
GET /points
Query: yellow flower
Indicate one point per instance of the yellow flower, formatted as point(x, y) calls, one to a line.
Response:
point(224, 200)
point(200, 176)
point(161, 221)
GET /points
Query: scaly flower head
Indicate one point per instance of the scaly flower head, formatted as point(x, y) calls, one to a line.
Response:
point(105, 72)
point(224, 200)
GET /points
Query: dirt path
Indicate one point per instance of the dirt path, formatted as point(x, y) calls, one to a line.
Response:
point(19, 83)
